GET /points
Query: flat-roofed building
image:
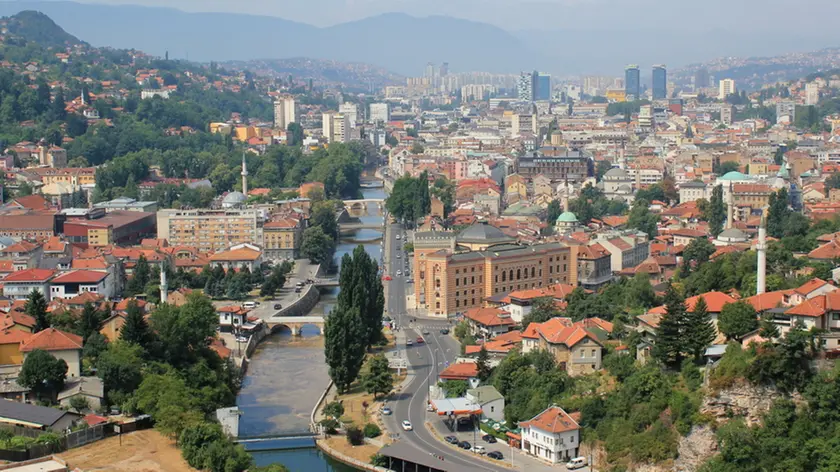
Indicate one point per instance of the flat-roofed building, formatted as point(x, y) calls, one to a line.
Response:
point(116, 227)
point(209, 230)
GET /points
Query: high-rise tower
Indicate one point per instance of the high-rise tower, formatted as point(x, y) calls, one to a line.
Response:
point(660, 82)
point(761, 248)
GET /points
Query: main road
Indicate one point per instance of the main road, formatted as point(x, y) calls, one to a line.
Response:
point(426, 360)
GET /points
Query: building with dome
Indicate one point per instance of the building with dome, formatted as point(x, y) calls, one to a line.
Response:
point(618, 185)
point(566, 223)
point(730, 237)
point(456, 272)
point(233, 200)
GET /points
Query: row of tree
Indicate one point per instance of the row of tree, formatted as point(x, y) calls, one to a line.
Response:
point(410, 199)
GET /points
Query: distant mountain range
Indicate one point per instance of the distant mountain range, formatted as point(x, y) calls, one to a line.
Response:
point(398, 42)
point(404, 44)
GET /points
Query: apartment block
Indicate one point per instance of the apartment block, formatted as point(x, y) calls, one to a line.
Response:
point(209, 230)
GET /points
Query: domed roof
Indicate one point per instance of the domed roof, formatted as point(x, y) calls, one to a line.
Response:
point(733, 234)
point(483, 233)
point(234, 198)
point(616, 172)
point(734, 175)
point(567, 217)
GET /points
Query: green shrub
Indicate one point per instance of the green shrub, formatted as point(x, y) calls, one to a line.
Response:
point(734, 365)
point(330, 425)
point(371, 430)
point(333, 409)
point(355, 436)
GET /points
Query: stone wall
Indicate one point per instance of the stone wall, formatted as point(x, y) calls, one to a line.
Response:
point(303, 305)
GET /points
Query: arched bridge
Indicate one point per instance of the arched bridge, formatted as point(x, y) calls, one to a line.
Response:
point(295, 323)
point(362, 204)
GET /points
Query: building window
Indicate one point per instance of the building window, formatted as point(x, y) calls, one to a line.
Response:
point(510, 275)
point(457, 281)
point(532, 272)
point(518, 274)
point(473, 279)
point(504, 277)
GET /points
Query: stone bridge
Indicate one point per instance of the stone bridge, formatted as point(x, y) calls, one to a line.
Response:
point(358, 205)
point(295, 323)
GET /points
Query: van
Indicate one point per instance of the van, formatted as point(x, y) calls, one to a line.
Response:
point(249, 305)
point(576, 463)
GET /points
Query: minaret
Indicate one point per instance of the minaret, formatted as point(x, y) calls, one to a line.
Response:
point(244, 176)
point(761, 248)
point(729, 208)
point(164, 287)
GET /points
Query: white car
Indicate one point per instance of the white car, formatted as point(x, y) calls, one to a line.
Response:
point(406, 425)
point(576, 463)
point(398, 237)
point(249, 305)
point(478, 450)
point(399, 273)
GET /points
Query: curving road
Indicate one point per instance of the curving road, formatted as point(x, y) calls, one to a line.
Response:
point(438, 349)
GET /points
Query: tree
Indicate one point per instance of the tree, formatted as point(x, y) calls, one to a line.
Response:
point(120, 367)
point(768, 328)
point(378, 378)
point(95, 345)
point(317, 245)
point(140, 277)
point(42, 373)
point(344, 348)
point(294, 134)
point(642, 219)
point(482, 364)
point(79, 404)
point(323, 215)
point(670, 334)
point(135, 329)
point(554, 210)
point(778, 213)
point(698, 251)
point(36, 307)
point(699, 330)
point(737, 319)
point(90, 321)
point(726, 167)
point(716, 212)
point(542, 310)
point(361, 288)
point(182, 332)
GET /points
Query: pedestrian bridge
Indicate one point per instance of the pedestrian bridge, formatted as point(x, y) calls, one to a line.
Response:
point(362, 204)
point(295, 323)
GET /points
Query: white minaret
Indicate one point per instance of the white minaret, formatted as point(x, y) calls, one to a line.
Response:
point(164, 287)
point(761, 247)
point(244, 176)
point(729, 208)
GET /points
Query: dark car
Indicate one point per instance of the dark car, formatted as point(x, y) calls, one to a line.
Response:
point(278, 306)
point(444, 331)
point(488, 439)
point(495, 455)
point(451, 439)
point(464, 445)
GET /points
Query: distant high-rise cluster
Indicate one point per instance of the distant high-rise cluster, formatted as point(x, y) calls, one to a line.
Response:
point(632, 82)
point(701, 78)
point(660, 82)
point(533, 86)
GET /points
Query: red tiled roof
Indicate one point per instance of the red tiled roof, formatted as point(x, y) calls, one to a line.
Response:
point(52, 339)
point(830, 250)
point(650, 319)
point(553, 420)
point(489, 317)
point(7, 320)
point(242, 254)
point(30, 275)
point(460, 371)
point(714, 302)
point(769, 300)
point(14, 336)
point(811, 285)
point(813, 307)
point(80, 277)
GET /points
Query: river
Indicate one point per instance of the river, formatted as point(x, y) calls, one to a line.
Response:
point(288, 374)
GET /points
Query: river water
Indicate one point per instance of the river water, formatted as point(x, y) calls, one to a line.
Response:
point(288, 374)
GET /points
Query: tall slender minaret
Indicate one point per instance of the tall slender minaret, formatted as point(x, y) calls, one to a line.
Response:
point(729, 207)
point(761, 248)
point(164, 287)
point(244, 176)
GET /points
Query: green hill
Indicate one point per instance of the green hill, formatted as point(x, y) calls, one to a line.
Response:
point(37, 27)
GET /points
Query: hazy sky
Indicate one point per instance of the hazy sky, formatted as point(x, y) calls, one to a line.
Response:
point(667, 15)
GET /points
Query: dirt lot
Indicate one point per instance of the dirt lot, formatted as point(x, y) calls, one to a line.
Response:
point(361, 453)
point(141, 451)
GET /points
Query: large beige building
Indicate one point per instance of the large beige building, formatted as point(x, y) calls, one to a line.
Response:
point(282, 238)
point(209, 230)
point(284, 112)
point(335, 127)
point(456, 273)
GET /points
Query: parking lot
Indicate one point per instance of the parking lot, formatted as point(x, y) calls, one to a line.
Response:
point(520, 461)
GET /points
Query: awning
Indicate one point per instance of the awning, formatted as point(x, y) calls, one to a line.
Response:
point(456, 406)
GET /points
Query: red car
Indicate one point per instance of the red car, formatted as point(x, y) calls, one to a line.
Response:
point(420, 340)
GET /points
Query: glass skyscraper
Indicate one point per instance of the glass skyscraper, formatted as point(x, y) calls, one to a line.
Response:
point(632, 83)
point(543, 88)
point(660, 82)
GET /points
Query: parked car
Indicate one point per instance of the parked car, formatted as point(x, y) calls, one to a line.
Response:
point(398, 237)
point(386, 411)
point(399, 273)
point(420, 340)
point(409, 343)
point(495, 455)
point(242, 339)
point(576, 463)
point(489, 439)
point(478, 450)
point(464, 445)
point(249, 305)
point(451, 439)
point(406, 425)
point(298, 289)
point(278, 306)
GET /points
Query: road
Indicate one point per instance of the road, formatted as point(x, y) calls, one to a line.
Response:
point(411, 402)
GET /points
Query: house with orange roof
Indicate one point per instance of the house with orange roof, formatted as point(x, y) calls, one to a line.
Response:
point(466, 371)
point(23, 254)
point(594, 266)
point(18, 285)
point(498, 347)
point(552, 436)
point(18, 321)
point(241, 255)
point(487, 323)
point(520, 302)
point(828, 252)
point(715, 301)
point(575, 349)
point(61, 345)
point(232, 316)
point(10, 342)
point(76, 282)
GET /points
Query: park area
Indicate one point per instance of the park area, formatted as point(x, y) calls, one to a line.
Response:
point(141, 451)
